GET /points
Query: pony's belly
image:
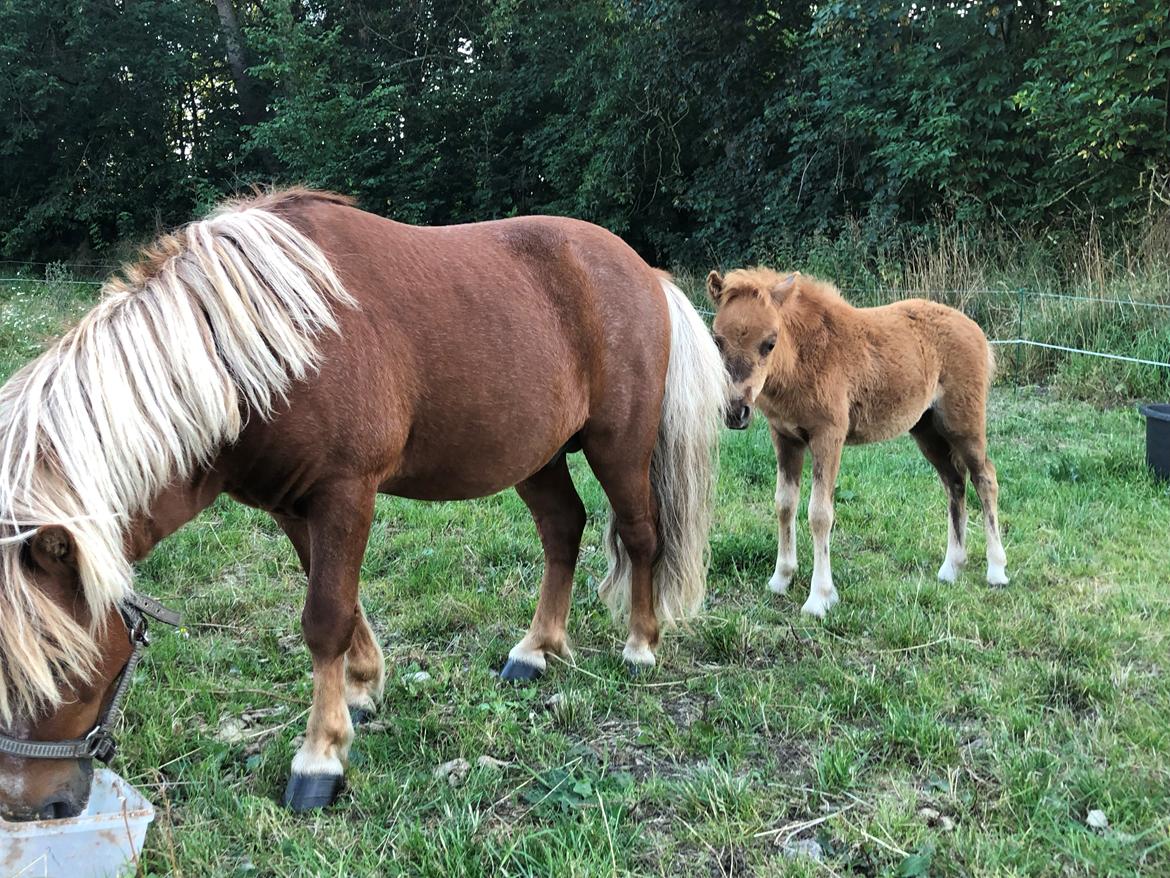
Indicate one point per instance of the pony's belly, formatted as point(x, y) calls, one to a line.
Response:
point(448, 485)
point(472, 465)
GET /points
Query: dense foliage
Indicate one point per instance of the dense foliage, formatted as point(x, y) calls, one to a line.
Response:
point(700, 131)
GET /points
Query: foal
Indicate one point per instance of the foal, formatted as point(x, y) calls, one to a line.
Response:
point(825, 374)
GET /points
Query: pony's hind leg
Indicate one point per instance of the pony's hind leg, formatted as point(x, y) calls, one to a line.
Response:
point(789, 460)
point(338, 526)
point(365, 666)
point(560, 519)
point(826, 451)
point(973, 452)
point(938, 451)
point(625, 478)
point(365, 671)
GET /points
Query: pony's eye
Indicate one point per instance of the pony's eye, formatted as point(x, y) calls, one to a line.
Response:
point(767, 347)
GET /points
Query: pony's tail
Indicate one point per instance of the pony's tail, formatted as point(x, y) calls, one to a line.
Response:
point(682, 472)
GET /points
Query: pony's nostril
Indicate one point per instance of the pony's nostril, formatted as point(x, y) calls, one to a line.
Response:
point(58, 809)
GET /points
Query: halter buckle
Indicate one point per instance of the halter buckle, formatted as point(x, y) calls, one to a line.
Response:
point(100, 745)
point(139, 632)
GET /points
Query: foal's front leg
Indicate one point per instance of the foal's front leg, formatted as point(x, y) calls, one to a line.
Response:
point(789, 460)
point(338, 528)
point(826, 451)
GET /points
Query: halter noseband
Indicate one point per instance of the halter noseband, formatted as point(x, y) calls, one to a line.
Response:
point(99, 742)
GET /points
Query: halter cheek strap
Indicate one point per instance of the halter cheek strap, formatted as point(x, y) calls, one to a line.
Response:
point(99, 742)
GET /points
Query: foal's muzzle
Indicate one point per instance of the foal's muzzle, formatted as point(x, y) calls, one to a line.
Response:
point(739, 415)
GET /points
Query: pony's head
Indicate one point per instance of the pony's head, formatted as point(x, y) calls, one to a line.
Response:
point(748, 331)
point(59, 665)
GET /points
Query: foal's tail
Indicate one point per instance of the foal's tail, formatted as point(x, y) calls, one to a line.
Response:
point(682, 472)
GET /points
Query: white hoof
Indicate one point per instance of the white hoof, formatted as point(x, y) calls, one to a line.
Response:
point(779, 583)
point(997, 575)
point(948, 572)
point(639, 654)
point(533, 658)
point(307, 762)
point(819, 603)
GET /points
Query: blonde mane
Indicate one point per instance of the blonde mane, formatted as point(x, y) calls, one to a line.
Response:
point(215, 322)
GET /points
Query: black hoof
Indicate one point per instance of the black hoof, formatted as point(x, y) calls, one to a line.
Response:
point(515, 670)
point(634, 670)
point(307, 792)
point(360, 716)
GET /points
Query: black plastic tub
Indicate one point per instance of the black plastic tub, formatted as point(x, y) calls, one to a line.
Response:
point(1158, 438)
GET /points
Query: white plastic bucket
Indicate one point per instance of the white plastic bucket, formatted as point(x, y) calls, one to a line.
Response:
point(103, 841)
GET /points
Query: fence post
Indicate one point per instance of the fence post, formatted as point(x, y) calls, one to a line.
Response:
point(1019, 330)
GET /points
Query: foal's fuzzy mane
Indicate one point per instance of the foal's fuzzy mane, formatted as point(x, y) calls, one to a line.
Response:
point(759, 280)
point(215, 321)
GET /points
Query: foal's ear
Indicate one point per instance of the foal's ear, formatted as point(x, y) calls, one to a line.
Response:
point(715, 287)
point(52, 547)
point(784, 289)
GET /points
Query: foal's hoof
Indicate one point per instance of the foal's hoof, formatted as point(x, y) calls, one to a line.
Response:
point(517, 671)
point(997, 579)
point(819, 603)
point(308, 792)
point(779, 584)
point(359, 716)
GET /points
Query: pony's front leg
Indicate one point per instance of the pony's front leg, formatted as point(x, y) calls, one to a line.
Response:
point(339, 526)
point(365, 666)
point(365, 671)
point(826, 451)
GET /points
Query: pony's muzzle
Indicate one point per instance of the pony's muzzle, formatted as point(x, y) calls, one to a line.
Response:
point(68, 796)
point(739, 415)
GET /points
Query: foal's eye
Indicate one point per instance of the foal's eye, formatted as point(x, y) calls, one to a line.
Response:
point(719, 343)
point(767, 347)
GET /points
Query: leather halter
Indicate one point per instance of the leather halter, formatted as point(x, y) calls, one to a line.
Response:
point(99, 742)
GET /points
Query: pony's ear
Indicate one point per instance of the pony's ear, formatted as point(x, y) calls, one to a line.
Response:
point(52, 547)
point(714, 287)
point(783, 289)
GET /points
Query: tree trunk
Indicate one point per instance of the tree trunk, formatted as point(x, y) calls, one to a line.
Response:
point(251, 102)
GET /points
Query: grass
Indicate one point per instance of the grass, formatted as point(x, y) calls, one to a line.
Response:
point(1009, 713)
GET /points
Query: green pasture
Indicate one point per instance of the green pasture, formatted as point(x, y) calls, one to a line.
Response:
point(923, 729)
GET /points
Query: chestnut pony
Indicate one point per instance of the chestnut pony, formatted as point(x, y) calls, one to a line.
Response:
point(302, 356)
point(826, 374)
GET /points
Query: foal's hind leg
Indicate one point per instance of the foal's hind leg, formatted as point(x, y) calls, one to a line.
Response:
point(560, 520)
point(936, 449)
point(789, 460)
point(338, 526)
point(973, 452)
point(365, 666)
